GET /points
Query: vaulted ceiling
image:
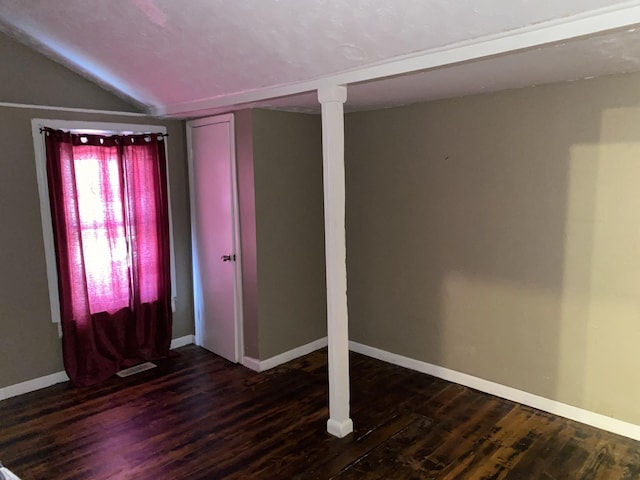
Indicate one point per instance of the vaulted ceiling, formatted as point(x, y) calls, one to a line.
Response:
point(187, 58)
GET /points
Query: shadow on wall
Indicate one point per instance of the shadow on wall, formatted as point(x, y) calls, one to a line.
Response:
point(496, 235)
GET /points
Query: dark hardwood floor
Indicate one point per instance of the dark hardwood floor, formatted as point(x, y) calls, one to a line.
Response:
point(197, 416)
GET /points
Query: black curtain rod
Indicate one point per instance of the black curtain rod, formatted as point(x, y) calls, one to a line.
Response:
point(44, 129)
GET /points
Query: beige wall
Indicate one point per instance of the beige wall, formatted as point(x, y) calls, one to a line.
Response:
point(28, 77)
point(283, 249)
point(499, 236)
point(29, 343)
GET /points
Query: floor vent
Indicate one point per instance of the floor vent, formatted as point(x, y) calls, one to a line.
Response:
point(136, 369)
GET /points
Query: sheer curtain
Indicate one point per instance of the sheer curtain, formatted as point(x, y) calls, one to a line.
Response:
point(109, 211)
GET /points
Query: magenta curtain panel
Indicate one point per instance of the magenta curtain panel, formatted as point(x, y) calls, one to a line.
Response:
point(109, 209)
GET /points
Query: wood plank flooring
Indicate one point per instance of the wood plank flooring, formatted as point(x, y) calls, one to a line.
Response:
point(197, 416)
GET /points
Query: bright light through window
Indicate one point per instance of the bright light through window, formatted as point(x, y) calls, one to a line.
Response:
point(104, 243)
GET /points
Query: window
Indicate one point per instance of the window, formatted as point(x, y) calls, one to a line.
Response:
point(100, 218)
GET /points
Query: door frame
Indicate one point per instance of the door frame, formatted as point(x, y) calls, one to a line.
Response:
point(235, 241)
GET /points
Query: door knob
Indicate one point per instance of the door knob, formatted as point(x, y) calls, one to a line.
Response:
point(228, 258)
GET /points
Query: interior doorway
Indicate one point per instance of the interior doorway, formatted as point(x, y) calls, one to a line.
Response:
point(215, 236)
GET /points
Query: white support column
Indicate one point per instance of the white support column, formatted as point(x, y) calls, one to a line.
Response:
point(332, 100)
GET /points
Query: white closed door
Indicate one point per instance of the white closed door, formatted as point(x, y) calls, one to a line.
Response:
point(214, 228)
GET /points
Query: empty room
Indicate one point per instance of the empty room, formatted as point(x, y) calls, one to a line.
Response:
point(323, 239)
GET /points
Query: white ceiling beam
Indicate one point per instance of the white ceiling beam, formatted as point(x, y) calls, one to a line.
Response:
point(619, 17)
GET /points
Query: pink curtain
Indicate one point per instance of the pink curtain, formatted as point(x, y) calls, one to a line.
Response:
point(109, 210)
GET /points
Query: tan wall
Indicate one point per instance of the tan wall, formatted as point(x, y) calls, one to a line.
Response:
point(29, 343)
point(28, 77)
point(287, 150)
point(499, 236)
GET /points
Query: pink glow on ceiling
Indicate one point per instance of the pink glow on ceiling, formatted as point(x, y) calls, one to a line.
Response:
point(167, 52)
point(151, 10)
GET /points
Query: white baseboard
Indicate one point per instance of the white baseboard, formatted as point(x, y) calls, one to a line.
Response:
point(587, 417)
point(59, 377)
point(182, 341)
point(32, 385)
point(262, 365)
point(251, 363)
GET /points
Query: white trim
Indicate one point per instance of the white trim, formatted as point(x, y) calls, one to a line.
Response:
point(59, 377)
point(554, 407)
point(32, 385)
point(237, 244)
point(236, 240)
point(45, 209)
point(172, 256)
point(116, 127)
point(588, 23)
point(332, 105)
point(71, 109)
point(251, 363)
point(262, 365)
point(47, 225)
point(182, 341)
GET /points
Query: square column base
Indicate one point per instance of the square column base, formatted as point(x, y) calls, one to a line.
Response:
point(339, 429)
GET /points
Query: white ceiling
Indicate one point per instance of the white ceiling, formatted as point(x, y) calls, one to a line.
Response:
point(191, 57)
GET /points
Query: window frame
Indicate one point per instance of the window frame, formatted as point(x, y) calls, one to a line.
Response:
point(81, 126)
